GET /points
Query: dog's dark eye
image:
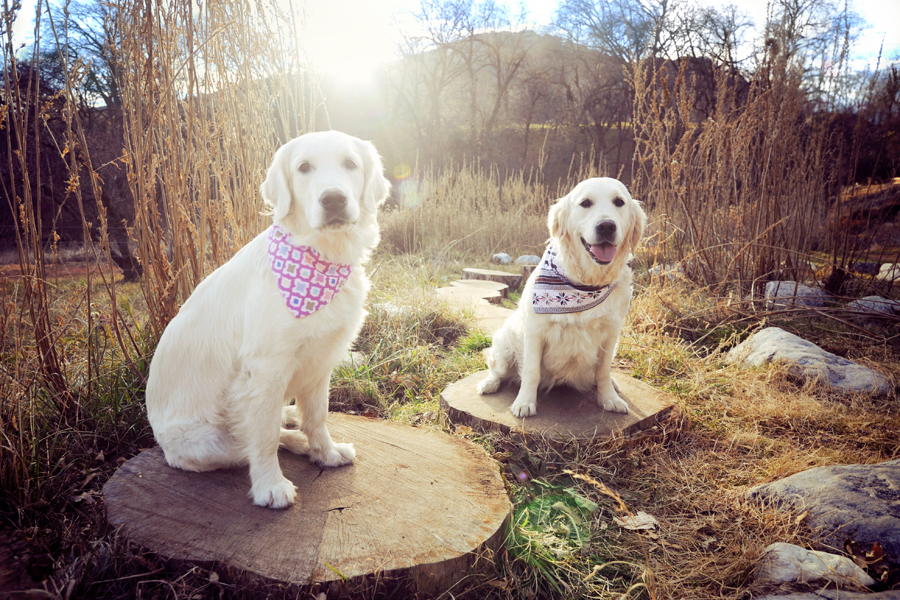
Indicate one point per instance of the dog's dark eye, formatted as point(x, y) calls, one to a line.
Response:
point(586, 203)
point(305, 167)
point(619, 202)
point(349, 164)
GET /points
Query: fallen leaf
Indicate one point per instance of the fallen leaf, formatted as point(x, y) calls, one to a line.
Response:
point(463, 430)
point(637, 522)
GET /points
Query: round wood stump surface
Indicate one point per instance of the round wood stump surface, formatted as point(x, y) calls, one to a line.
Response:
point(561, 411)
point(414, 504)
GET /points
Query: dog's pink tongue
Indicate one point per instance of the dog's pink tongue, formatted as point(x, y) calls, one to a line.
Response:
point(603, 252)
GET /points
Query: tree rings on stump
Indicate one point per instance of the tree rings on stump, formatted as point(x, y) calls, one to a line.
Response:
point(415, 504)
point(561, 411)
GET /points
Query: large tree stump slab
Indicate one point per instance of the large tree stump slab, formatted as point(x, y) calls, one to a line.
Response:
point(561, 412)
point(510, 279)
point(415, 503)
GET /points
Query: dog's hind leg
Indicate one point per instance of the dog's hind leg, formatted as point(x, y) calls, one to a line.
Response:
point(197, 446)
point(313, 403)
point(498, 370)
point(501, 363)
point(293, 440)
point(291, 437)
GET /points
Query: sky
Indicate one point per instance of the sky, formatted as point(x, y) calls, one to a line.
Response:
point(350, 37)
point(371, 36)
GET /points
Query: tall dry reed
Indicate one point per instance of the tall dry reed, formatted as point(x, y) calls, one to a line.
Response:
point(208, 93)
point(467, 210)
point(739, 197)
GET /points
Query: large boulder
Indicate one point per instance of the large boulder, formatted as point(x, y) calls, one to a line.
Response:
point(855, 502)
point(808, 361)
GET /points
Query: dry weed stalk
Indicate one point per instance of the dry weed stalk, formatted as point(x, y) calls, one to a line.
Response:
point(225, 86)
point(207, 97)
point(740, 196)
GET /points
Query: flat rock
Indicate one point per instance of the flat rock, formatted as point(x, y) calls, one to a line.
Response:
point(857, 502)
point(889, 272)
point(786, 562)
point(866, 268)
point(415, 503)
point(808, 361)
point(483, 284)
point(791, 294)
point(561, 411)
point(528, 259)
point(510, 279)
point(501, 258)
point(876, 306)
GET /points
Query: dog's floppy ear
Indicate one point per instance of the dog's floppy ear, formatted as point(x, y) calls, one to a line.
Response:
point(640, 222)
point(276, 189)
point(377, 186)
point(558, 214)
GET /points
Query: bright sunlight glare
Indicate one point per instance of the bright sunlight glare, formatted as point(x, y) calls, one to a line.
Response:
point(349, 39)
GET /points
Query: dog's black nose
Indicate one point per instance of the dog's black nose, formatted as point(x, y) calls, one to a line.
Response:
point(606, 230)
point(333, 201)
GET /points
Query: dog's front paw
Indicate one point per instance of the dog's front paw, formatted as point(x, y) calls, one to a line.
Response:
point(489, 385)
point(524, 408)
point(613, 403)
point(336, 456)
point(280, 495)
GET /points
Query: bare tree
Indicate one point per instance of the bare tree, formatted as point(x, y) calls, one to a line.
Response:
point(87, 33)
point(629, 30)
point(467, 54)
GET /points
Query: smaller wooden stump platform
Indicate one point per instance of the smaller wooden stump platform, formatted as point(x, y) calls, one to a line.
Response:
point(510, 279)
point(415, 504)
point(562, 411)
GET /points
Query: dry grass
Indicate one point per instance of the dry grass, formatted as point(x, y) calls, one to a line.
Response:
point(740, 197)
point(734, 200)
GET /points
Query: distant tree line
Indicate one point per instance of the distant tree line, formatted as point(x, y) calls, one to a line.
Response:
point(472, 83)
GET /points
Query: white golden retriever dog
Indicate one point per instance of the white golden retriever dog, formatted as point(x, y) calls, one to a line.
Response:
point(574, 304)
point(271, 323)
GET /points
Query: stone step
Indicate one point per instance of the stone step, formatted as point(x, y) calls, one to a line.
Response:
point(483, 284)
point(511, 279)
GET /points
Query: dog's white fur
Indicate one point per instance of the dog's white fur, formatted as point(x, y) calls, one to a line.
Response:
point(576, 349)
point(229, 363)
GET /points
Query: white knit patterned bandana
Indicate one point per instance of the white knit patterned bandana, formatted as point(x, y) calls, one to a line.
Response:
point(554, 294)
point(306, 282)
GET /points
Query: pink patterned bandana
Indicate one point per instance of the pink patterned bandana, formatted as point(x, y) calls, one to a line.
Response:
point(306, 282)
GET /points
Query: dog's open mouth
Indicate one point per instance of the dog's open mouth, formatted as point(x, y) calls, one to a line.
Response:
point(601, 253)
